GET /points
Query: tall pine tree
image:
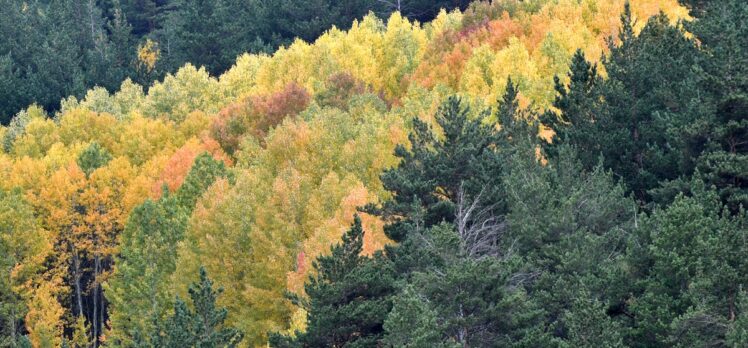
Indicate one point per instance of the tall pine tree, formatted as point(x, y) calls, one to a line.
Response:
point(349, 298)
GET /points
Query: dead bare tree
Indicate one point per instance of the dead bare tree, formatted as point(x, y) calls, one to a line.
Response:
point(395, 4)
point(479, 227)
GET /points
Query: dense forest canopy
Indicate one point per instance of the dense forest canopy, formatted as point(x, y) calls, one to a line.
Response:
point(53, 49)
point(544, 173)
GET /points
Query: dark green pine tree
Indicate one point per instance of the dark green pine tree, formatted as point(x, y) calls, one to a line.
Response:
point(571, 228)
point(461, 299)
point(289, 19)
point(569, 225)
point(50, 50)
point(213, 33)
point(458, 274)
point(84, 29)
point(519, 127)
point(578, 103)
point(248, 26)
point(13, 89)
point(41, 56)
point(309, 19)
point(194, 33)
point(412, 322)
point(420, 10)
point(689, 261)
point(721, 138)
point(465, 165)
point(626, 117)
point(737, 335)
point(697, 7)
point(349, 298)
point(200, 327)
point(650, 87)
point(145, 16)
point(122, 52)
point(431, 174)
point(588, 325)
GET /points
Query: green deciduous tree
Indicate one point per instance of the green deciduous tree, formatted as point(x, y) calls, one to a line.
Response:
point(140, 292)
point(92, 158)
point(204, 172)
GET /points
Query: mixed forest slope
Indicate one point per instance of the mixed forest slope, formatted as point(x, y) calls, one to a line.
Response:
point(121, 205)
point(52, 49)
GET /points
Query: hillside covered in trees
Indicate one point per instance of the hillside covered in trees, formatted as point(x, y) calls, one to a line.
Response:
point(543, 173)
point(52, 49)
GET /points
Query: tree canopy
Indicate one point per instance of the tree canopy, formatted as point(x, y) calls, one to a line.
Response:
point(550, 173)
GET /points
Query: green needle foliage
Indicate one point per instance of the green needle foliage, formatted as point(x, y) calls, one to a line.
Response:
point(201, 327)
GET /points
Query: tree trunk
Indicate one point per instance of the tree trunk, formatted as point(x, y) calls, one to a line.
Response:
point(77, 281)
point(13, 322)
point(95, 319)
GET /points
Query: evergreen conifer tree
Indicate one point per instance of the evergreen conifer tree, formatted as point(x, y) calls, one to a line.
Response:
point(199, 327)
point(349, 298)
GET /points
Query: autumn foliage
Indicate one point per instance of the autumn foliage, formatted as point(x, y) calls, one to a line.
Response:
point(304, 133)
point(256, 115)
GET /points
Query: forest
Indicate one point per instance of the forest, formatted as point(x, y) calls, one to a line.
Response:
point(374, 173)
point(52, 49)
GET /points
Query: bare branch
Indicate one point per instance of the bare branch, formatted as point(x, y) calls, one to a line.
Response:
point(480, 230)
point(393, 4)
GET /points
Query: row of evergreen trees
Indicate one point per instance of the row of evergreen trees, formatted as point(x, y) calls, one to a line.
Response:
point(51, 49)
point(629, 229)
